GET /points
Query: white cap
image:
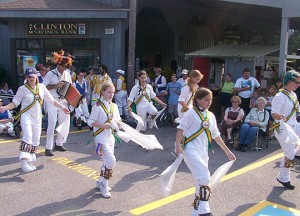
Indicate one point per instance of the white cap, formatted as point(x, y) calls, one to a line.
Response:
point(120, 72)
point(184, 71)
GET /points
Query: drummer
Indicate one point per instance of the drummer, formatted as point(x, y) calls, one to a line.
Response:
point(54, 80)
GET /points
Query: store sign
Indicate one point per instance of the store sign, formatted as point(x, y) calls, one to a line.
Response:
point(58, 29)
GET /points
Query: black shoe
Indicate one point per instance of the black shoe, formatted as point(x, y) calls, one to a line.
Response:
point(60, 148)
point(239, 147)
point(287, 184)
point(206, 214)
point(297, 157)
point(243, 148)
point(48, 152)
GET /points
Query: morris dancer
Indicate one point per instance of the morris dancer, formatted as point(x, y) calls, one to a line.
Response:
point(103, 115)
point(142, 94)
point(102, 78)
point(121, 93)
point(54, 80)
point(285, 107)
point(195, 132)
point(185, 101)
point(31, 96)
point(82, 111)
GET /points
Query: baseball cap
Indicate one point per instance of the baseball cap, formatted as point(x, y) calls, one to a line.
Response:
point(31, 72)
point(184, 71)
point(120, 72)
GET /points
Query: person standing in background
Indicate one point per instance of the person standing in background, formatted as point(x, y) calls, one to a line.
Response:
point(173, 90)
point(227, 90)
point(245, 86)
point(183, 79)
point(121, 93)
point(82, 111)
point(91, 80)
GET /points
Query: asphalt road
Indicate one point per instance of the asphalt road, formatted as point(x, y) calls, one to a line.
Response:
point(65, 183)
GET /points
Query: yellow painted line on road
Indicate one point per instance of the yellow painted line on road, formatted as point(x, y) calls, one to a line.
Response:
point(159, 203)
point(16, 140)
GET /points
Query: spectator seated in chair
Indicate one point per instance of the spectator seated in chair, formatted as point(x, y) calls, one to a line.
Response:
point(255, 124)
point(232, 119)
point(6, 125)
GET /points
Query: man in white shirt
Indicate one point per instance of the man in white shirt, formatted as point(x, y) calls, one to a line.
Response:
point(245, 86)
point(184, 76)
point(54, 80)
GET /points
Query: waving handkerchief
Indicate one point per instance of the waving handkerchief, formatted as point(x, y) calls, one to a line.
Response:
point(219, 174)
point(140, 121)
point(146, 141)
point(167, 177)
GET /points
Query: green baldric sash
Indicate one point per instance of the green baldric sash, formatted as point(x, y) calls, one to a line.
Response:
point(109, 116)
point(295, 108)
point(204, 127)
point(36, 98)
point(144, 94)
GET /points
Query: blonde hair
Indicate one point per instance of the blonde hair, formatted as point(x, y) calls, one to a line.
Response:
point(106, 85)
point(237, 98)
point(193, 74)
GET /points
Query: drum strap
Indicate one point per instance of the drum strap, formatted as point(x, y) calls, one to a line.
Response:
point(97, 132)
point(188, 103)
point(36, 98)
point(186, 140)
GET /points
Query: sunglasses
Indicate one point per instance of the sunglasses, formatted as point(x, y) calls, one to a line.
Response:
point(1, 101)
point(234, 101)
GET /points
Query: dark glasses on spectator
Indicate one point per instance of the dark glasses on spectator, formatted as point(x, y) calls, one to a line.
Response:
point(1, 101)
point(234, 101)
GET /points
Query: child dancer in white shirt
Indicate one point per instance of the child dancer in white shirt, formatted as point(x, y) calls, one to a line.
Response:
point(142, 94)
point(185, 100)
point(195, 132)
point(104, 115)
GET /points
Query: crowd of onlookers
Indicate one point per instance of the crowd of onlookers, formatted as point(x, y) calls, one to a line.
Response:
point(242, 102)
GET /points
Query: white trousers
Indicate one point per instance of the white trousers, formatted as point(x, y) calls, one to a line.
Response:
point(289, 153)
point(108, 157)
point(121, 101)
point(82, 111)
point(198, 165)
point(143, 108)
point(10, 127)
point(31, 127)
point(57, 115)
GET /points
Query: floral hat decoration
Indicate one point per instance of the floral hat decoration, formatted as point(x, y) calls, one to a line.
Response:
point(63, 59)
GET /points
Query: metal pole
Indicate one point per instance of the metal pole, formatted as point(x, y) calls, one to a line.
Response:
point(283, 45)
point(131, 45)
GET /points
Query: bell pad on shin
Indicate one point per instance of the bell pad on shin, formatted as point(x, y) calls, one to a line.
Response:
point(290, 163)
point(25, 147)
point(204, 192)
point(106, 173)
point(196, 202)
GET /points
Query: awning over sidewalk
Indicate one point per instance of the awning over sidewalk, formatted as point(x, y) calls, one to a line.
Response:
point(234, 50)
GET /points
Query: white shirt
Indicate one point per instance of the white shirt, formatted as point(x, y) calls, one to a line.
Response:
point(53, 77)
point(25, 97)
point(241, 83)
point(182, 81)
point(191, 123)
point(184, 96)
point(283, 105)
point(99, 115)
point(135, 93)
